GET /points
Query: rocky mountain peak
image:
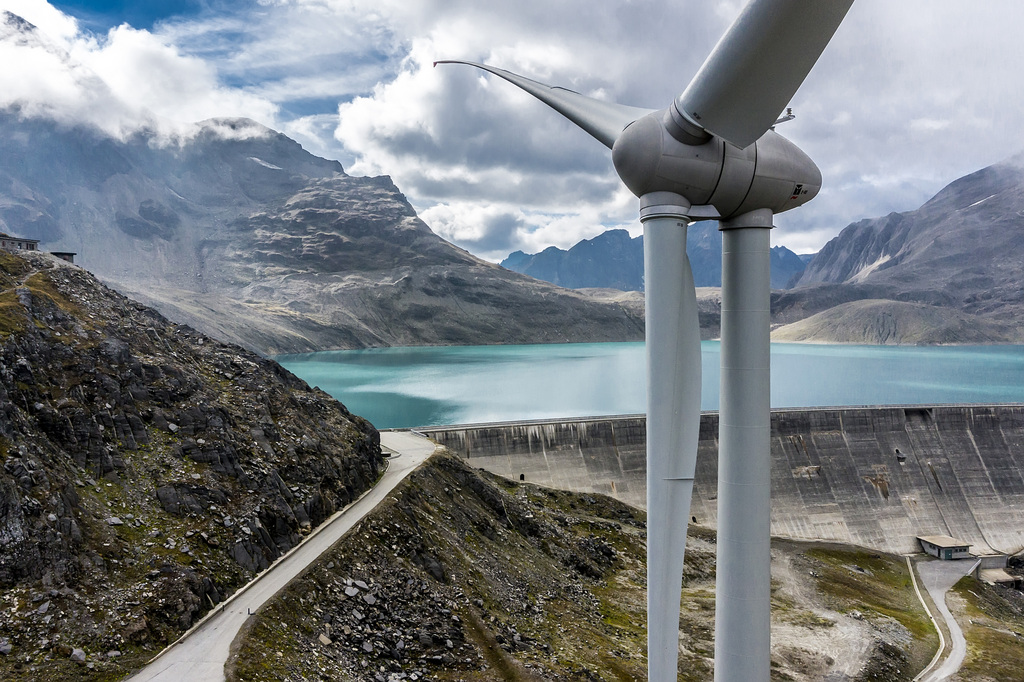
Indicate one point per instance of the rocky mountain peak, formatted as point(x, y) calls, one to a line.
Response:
point(239, 231)
point(13, 26)
point(961, 254)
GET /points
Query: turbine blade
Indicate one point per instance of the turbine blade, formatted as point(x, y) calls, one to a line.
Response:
point(758, 65)
point(603, 120)
point(673, 429)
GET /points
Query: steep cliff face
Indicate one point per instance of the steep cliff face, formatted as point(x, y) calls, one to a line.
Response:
point(961, 251)
point(965, 238)
point(244, 235)
point(148, 471)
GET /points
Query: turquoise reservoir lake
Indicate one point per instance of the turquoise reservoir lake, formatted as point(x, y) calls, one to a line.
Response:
point(427, 386)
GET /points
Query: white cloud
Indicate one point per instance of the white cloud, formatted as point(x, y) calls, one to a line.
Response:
point(908, 97)
point(493, 230)
point(140, 68)
point(121, 82)
point(46, 17)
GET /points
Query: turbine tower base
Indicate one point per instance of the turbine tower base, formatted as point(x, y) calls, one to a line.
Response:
point(743, 582)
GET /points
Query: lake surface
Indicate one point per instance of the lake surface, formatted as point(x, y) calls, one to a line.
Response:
point(404, 387)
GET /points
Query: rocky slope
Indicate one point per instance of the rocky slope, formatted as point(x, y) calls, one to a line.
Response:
point(242, 234)
point(961, 253)
point(463, 576)
point(614, 260)
point(148, 471)
point(992, 617)
point(892, 323)
point(237, 230)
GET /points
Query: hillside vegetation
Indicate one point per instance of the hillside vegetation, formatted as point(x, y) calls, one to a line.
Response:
point(461, 575)
point(148, 472)
point(881, 322)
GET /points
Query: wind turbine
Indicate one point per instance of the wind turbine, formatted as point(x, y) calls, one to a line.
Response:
point(712, 154)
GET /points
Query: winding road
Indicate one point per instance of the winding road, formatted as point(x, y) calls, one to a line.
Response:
point(201, 653)
point(937, 577)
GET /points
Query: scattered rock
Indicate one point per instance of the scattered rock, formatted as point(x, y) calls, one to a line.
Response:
point(86, 453)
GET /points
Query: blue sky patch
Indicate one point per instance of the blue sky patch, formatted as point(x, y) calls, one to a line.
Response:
point(100, 15)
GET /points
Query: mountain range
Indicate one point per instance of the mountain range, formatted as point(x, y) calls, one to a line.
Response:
point(246, 236)
point(948, 272)
point(615, 260)
point(240, 232)
point(235, 229)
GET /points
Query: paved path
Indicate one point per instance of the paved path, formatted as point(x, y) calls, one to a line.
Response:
point(937, 577)
point(200, 655)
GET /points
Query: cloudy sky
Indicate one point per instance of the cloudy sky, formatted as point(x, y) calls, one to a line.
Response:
point(909, 95)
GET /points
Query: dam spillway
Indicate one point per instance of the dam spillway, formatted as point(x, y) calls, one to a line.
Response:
point(876, 477)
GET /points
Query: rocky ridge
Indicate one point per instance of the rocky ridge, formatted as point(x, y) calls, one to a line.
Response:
point(460, 575)
point(148, 471)
point(614, 260)
point(241, 233)
point(959, 255)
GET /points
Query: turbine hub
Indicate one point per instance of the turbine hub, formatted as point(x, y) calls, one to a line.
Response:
point(772, 173)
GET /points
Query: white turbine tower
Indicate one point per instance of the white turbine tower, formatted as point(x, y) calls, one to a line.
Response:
point(712, 154)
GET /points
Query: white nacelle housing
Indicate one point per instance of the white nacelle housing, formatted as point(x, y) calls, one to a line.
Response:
point(772, 173)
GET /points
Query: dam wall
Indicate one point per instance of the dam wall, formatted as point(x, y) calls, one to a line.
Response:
point(877, 477)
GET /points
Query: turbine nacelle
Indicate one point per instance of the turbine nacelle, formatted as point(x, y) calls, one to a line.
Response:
point(772, 173)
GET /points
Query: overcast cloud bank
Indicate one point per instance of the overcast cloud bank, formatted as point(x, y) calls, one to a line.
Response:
point(908, 97)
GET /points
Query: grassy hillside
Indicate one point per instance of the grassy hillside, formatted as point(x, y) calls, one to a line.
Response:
point(885, 322)
point(464, 576)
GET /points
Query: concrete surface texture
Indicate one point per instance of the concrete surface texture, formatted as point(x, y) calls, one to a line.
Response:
point(875, 477)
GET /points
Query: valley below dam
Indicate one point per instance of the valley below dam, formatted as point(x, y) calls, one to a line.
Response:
point(875, 477)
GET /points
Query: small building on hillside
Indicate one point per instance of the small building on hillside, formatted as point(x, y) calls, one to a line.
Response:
point(18, 243)
point(21, 244)
point(945, 547)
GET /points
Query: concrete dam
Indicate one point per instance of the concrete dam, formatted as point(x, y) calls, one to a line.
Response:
point(876, 477)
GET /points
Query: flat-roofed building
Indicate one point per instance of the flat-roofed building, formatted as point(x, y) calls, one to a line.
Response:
point(945, 547)
point(18, 243)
